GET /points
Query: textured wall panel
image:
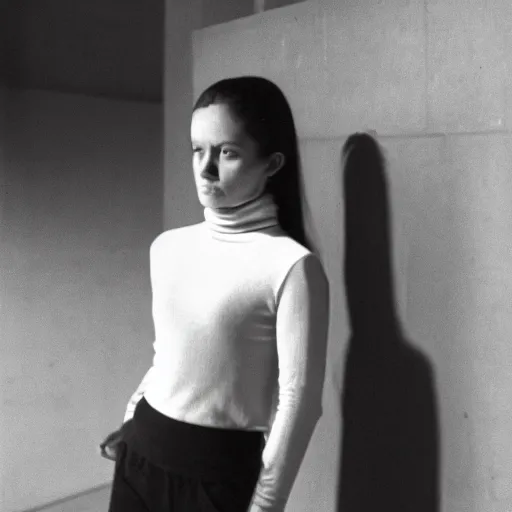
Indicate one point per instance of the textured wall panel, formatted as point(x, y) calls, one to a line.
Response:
point(353, 66)
point(467, 66)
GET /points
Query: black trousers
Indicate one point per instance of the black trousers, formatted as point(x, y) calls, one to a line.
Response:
point(165, 465)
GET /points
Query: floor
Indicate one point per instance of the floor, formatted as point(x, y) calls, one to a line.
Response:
point(92, 501)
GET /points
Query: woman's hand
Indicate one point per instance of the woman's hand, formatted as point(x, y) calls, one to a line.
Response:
point(109, 447)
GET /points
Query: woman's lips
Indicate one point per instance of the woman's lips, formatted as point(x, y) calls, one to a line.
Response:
point(209, 188)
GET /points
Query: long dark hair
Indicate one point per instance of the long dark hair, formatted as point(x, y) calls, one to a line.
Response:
point(263, 109)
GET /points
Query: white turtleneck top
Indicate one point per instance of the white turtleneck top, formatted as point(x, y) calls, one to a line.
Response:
point(241, 315)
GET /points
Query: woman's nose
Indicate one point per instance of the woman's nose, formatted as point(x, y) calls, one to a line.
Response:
point(210, 169)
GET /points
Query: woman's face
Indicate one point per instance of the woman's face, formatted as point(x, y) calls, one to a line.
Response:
point(227, 168)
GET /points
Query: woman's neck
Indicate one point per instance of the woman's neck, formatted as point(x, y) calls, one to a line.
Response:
point(255, 215)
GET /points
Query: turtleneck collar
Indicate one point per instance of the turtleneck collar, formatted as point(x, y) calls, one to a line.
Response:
point(258, 214)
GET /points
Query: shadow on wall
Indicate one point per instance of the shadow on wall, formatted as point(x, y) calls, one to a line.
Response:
point(390, 440)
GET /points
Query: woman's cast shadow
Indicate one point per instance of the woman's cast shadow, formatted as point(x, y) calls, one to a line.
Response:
point(390, 435)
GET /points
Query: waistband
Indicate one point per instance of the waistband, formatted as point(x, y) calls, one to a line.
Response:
point(194, 450)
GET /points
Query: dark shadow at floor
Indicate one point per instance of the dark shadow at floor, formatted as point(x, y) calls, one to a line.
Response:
point(390, 434)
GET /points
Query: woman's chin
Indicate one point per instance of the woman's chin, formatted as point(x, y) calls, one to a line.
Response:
point(209, 201)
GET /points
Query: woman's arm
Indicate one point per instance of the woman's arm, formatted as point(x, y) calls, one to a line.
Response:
point(302, 329)
point(139, 393)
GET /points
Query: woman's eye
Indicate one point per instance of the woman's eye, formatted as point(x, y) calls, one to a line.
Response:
point(229, 153)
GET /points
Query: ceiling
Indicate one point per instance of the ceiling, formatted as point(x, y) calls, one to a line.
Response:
point(111, 48)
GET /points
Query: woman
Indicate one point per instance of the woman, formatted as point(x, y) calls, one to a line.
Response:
point(221, 421)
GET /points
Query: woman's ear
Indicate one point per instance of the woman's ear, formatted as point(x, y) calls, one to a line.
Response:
point(276, 162)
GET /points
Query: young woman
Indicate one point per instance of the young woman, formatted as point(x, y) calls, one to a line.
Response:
point(222, 420)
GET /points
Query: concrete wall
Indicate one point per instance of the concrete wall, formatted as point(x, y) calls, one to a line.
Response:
point(214, 12)
point(81, 203)
point(433, 78)
point(3, 434)
point(180, 200)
